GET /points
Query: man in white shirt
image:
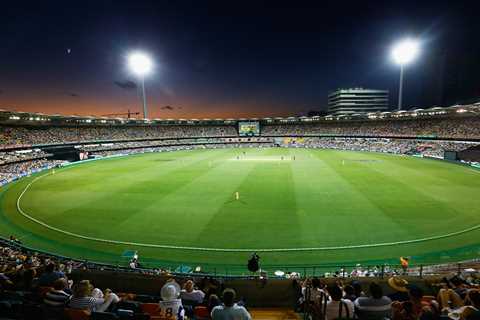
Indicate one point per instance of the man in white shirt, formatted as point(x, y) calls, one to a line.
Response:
point(230, 310)
point(189, 293)
point(338, 307)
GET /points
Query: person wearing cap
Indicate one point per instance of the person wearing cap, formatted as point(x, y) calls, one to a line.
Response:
point(170, 307)
point(230, 310)
point(399, 286)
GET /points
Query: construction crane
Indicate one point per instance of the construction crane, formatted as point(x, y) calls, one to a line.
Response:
point(128, 114)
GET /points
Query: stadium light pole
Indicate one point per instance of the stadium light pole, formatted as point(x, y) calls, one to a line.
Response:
point(403, 53)
point(141, 65)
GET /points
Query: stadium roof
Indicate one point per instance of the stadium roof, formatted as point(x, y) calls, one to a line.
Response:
point(35, 118)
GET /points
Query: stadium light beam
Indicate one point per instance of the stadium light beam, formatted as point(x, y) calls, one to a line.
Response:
point(141, 65)
point(403, 53)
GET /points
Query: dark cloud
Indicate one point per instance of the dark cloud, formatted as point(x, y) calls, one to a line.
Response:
point(1, 91)
point(127, 84)
point(73, 95)
point(167, 108)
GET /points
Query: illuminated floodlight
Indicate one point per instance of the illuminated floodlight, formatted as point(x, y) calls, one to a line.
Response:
point(140, 63)
point(405, 51)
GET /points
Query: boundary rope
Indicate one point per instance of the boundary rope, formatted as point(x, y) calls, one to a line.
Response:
point(162, 246)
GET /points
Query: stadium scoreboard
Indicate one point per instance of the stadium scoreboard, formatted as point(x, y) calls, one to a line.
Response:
point(248, 128)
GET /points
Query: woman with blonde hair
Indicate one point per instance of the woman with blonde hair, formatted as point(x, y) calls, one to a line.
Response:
point(85, 297)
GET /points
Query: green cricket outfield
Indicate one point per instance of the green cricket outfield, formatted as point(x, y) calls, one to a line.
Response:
point(296, 207)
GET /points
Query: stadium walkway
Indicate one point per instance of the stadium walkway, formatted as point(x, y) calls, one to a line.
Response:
point(273, 314)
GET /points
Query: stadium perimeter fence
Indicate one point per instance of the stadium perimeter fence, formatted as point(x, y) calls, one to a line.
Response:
point(266, 271)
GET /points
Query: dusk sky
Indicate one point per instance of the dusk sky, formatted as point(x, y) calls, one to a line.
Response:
point(220, 59)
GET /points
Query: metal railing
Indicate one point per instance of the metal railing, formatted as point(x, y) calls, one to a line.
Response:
point(267, 271)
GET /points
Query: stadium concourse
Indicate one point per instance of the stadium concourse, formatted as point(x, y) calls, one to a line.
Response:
point(36, 285)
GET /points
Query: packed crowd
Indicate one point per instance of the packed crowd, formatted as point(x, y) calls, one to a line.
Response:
point(433, 148)
point(458, 128)
point(457, 299)
point(17, 169)
point(42, 283)
point(397, 146)
point(120, 152)
point(21, 155)
point(138, 149)
point(13, 136)
point(168, 142)
point(452, 127)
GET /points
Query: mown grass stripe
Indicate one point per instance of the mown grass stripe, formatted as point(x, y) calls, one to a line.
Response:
point(161, 246)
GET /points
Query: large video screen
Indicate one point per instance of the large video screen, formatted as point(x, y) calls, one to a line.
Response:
point(249, 128)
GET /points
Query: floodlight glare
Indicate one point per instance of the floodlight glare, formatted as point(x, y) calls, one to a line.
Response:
point(405, 51)
point(140, 63)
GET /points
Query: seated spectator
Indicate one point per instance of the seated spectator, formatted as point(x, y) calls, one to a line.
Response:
point(5, 282)
point(416, 307)
point(449, 298)
point(357, 286)
point(473, 298)
point(57, 297)
point(85, 297)
point(171, 306)
point(376, 306)
point(213, 301)
point(191, 294)
point(210, 286)
point(350, 293)
point(26, 275)
point(230, 310)
point(399, 286)
point(471, 309)
point(314, 289)
point(338, 307)
point(50, 276)
point(459, 286)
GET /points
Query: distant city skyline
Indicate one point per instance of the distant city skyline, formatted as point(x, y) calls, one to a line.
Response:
point(228, 60)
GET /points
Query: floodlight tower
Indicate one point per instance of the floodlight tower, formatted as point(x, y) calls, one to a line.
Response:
point(141, 65)
point(403, 53)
